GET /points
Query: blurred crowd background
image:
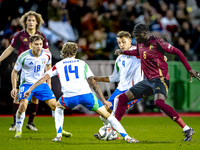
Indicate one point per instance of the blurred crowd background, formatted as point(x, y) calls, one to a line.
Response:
point(94, 24)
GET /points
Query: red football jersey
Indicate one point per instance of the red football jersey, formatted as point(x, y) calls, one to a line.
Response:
point(152, 57)
point(21, 41)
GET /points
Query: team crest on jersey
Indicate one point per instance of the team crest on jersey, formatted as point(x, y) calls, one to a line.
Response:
point(43, 61)
point(25, 39)
point(151, 47)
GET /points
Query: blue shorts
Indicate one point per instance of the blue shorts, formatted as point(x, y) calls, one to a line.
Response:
point(90, 101)
point(118, 92)
point(42, 92)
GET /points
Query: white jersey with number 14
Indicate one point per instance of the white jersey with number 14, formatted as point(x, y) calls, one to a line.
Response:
point(73, 74)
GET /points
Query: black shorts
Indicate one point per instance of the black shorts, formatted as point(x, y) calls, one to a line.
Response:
point(150, 87)
point(18, 79)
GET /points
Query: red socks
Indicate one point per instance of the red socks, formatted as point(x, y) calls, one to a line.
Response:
point(32, 112)
point(121, 107)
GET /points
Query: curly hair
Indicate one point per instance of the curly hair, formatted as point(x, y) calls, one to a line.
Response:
point(69, 49)
point(38, 17)
point(122, 34)
point(36, 37)
point(141, 27)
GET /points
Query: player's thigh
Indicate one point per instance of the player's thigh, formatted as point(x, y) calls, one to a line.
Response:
point(90, 101)
point(112, 97)
point(141, 89)
point(22, 90)
point(43, 92)
point(34, 100)
point(51, 103)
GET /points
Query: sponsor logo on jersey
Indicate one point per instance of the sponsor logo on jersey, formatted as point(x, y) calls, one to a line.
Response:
point(25, 39)
point(31, 63)
point(141, 46)
point(158, 88)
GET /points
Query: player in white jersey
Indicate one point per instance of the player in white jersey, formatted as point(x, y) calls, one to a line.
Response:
point(127, 71)
point(76, 78)
point(32, 62)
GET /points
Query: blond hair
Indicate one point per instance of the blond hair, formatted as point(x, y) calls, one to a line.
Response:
point(36, 37)
point(69, 49)
point(38, 18)
point(122, 34)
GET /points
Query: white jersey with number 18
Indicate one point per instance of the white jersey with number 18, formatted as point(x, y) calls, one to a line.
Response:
point(32, 67)
point(73, 74)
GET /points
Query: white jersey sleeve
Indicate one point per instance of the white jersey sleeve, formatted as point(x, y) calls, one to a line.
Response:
point(18, 63)
point(115, 77)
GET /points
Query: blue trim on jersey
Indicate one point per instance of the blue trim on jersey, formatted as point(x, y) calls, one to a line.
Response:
point(41, 92)
point(87, 100)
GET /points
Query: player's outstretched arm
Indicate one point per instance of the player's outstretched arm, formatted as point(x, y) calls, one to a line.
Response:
point(101, 79)
point(13, 93)
point(194, 73)
point(39, 82)
point(6, 53)
point(97, 89)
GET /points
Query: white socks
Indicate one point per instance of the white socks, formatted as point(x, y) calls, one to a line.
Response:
point(19, 120)
point(117, 125)
point(116, 100)
point(59, 119)
point(186, 128)
point(105, 122)
point(53, 114)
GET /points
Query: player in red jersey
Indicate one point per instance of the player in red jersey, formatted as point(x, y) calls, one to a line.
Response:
point(151, 50)
point(31, 22)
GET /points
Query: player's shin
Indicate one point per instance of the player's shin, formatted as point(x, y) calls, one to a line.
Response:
point(19, 120)
point(118, 127)
point(121, 107)
point(59, 119)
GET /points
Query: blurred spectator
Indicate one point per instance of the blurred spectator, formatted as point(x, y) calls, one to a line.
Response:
point(170, 24)
point(10, 32)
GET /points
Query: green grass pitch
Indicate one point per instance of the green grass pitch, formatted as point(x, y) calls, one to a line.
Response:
point(154, 133)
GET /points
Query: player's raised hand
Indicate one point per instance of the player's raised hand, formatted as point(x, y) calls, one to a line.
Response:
point(119, 51)
point(27, 93)
point(13, 93)
point(194, 73)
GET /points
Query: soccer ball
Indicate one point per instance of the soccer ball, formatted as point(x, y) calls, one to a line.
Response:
point(107, 134)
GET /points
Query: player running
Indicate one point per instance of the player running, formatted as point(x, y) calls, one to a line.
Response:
point(32, 62)
point(76, 78)
point(127, 71)
point(151, 50)
point(31, 22)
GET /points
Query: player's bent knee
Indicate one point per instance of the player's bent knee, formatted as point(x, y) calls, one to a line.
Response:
point(59, 105)
point(23, 105)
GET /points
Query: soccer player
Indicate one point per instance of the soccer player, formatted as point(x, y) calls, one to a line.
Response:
point(32, 63)
point(127, 71)
point(151, 50)
point(31, 22)
point(74, 75)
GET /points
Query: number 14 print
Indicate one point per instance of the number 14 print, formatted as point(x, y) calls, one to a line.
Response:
point(68, 69)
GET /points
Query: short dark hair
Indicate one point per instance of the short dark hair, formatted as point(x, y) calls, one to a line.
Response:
point(122, 34)
point(69, 49)
point(36, 37)
point(141, 27)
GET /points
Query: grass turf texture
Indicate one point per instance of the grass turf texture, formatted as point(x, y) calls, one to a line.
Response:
point(154, 133)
